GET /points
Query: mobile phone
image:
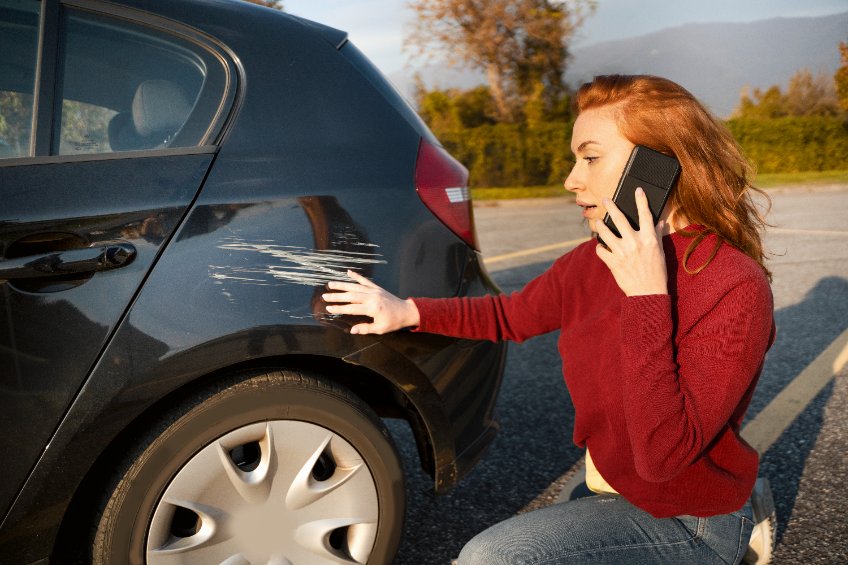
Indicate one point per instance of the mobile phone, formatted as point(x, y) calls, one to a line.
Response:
point(656, 173)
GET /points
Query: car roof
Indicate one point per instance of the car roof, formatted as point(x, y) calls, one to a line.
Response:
point(206, 15)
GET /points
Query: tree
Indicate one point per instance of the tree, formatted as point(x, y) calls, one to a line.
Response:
point(770, 103)
point(841, 77)
point(450, 110)
point(806, 95)
point(811, 96)
point(517, 43)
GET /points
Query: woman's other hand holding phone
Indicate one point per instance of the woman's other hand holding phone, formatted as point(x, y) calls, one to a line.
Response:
point(636, 259)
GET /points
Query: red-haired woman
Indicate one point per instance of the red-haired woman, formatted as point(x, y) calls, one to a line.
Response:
point(663, 335)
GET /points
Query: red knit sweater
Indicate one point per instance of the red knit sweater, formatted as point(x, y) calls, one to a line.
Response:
point(659, 383)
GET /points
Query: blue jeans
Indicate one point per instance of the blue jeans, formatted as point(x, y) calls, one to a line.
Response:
point(608, 529)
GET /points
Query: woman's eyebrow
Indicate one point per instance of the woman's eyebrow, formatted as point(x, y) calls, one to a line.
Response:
point(583, 145)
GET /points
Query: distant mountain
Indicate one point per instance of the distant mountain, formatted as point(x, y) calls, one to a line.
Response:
point(713, 60)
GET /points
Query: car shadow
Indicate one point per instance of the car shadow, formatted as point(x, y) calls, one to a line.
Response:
point(532, 449)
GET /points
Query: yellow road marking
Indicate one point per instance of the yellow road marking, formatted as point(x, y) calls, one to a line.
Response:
point(791, 231)
point(552, 246)
point(534, 250)
point(765, 429)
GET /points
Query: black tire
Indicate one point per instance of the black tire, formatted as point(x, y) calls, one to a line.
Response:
point(285, 401)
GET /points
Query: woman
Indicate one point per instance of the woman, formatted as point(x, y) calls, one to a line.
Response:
point(663, 335)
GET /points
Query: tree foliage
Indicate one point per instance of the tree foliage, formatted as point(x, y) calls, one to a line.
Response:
point(453, 109)
point(511, 154)
point(521, 45)
point(15, 123)
point(806, 95)
point(841, 77)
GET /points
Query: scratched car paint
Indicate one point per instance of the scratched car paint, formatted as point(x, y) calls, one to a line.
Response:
point(179, 181)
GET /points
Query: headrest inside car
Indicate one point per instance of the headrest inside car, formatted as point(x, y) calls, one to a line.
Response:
point(159, 107)
point(122, 133)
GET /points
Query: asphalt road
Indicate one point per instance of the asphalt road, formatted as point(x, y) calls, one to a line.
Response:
point(800, 406)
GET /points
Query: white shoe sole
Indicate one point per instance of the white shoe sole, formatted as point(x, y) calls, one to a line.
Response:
point(761, 545)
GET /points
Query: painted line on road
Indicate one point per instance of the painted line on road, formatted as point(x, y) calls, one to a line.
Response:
point(569, 243)
point(791, 231)
point(765, 429)
point(534, 250)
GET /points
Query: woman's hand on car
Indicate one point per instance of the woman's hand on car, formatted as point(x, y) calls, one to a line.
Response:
point(636, 259)
point(364, 298)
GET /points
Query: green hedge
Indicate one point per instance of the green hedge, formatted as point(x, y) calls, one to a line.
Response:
point(793, 144)
point(512, 155)
point(503, 155)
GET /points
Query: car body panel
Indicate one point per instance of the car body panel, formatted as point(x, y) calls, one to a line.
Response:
point(51, 340)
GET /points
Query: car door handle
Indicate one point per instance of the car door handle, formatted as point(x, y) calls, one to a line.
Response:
point(73, 261)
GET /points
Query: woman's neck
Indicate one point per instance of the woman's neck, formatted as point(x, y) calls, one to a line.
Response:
point(674, 220)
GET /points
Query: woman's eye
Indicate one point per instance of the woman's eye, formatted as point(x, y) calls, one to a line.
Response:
point(589, 160)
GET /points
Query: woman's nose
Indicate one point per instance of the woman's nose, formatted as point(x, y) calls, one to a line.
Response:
point(570, 183)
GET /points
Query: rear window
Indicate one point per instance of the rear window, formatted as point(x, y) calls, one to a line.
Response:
point(126, 87)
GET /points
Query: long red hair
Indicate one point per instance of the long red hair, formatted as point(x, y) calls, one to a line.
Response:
point(714, 189)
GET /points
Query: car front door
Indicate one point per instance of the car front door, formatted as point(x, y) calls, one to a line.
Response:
point(108, 128)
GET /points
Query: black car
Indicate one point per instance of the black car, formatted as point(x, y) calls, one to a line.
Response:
point(178, 182)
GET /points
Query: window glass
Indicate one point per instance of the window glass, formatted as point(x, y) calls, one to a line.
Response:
point(18, 55)
point(128, 88)
point(85, 128)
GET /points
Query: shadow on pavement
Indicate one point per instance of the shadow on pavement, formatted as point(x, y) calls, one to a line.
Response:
point(804, 330)
point(533, 449)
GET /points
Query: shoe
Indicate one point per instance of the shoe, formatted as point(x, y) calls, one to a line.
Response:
point(761, 545)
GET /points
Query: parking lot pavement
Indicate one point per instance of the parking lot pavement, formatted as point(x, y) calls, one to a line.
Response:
point(808, 471)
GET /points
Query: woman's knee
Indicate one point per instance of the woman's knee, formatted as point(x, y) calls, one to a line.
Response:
point(481, 550)
point(506, 543)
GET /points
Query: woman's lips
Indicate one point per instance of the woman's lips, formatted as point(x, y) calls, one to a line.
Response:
point(587, 208)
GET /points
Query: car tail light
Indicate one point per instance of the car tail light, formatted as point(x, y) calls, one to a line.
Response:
point(442, 184)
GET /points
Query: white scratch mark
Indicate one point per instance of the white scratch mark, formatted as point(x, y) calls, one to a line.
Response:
point(291, 264)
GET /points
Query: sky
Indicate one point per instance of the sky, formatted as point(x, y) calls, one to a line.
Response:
point(377, 27)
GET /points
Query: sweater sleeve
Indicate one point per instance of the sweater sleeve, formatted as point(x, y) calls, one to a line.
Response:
point(534, 310)
point(676, 405)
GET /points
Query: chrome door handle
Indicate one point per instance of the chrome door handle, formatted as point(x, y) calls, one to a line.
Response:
point(73, 261)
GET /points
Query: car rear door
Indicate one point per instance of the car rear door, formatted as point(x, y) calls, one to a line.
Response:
point(109, 122)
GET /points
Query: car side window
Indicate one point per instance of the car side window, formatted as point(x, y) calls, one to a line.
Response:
point(125, 87)
point(18, 55)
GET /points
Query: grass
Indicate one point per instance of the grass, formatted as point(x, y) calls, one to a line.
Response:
point(767, 180)
point(509, 193)
point(771, 180)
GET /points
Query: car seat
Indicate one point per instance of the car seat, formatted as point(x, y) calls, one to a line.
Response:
point(159, 110)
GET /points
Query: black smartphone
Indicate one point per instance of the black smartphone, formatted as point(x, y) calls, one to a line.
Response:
point(655, 173)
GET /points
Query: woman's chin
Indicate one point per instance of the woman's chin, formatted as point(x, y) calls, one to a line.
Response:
point(590, 225)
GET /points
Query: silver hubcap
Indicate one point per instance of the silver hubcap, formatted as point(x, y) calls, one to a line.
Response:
point(283, 492)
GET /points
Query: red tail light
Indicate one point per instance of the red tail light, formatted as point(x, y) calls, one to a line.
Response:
point(442, 184)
